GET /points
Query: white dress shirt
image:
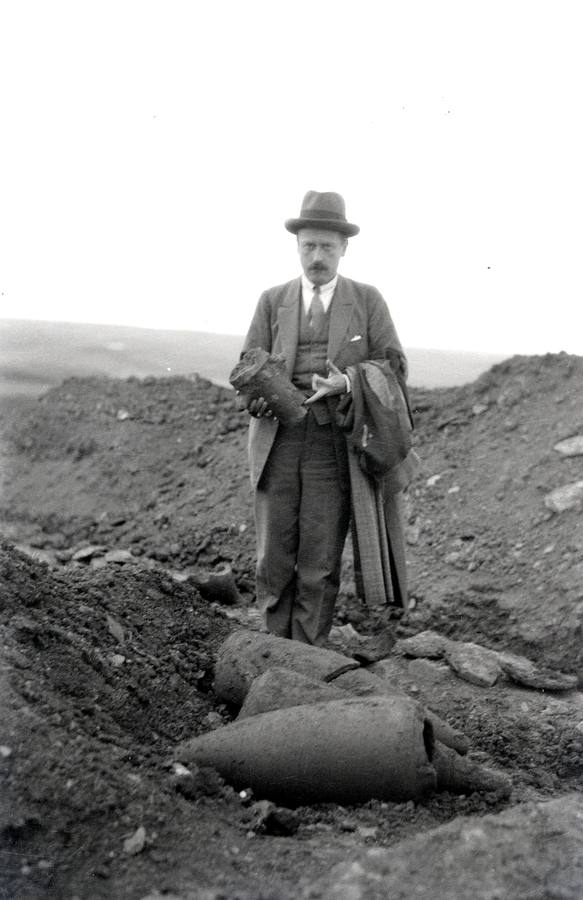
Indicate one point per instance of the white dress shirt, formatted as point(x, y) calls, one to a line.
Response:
point(326, 294)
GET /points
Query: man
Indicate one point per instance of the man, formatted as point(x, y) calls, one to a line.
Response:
point(321, 323)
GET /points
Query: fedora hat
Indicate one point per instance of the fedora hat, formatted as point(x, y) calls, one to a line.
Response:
point(322, 211)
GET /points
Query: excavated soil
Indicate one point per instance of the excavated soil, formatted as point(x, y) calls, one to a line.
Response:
point(115, 492)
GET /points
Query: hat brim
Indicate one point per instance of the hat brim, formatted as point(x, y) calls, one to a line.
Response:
point(345, 228)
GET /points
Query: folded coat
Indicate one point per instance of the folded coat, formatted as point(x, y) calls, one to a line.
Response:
point(376, 418)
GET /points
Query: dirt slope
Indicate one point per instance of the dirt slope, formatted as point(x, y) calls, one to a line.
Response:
point(105, 665)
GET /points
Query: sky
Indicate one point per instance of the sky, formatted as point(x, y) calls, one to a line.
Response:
point(152, 149)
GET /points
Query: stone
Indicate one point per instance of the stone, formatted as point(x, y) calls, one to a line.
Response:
point(525, 672)
point(567, 497)
point(136, 843)
point(194, 782)
point(115, 629)
point(572, 446)
point(218, 586)
point(42, 556)
point(367, 832)
point(267, 818)
point(87, 553)
point(428, 644)
point(119, 556)
point(429, 671)
point(474, 663)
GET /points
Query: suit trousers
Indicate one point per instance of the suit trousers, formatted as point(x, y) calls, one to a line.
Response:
point(302, 513)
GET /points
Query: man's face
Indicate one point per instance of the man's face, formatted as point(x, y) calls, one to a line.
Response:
point(320, 252)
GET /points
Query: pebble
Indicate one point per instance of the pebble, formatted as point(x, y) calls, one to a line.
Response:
point(523, 671)
point(136, 843)
point(367, 832)
point(87, 553)
point(474, 663)
point(119, 556)
point(566, 497)
point(572, 446)
point(428, 644)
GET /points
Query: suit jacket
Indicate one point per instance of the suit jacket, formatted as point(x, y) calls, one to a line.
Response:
point(361, 328)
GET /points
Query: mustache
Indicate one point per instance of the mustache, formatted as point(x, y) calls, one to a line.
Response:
point(318, 267)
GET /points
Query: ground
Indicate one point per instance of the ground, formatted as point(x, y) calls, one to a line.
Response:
point(106, 660)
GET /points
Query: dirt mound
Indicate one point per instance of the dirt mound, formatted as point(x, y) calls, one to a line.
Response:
point(106, 657)
point(154, 465)
point(490, 558)
point(102, 672)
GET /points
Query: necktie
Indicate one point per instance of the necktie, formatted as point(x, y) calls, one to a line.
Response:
point(316, 312)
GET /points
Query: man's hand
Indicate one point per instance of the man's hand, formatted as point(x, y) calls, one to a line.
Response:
point(257, 408)
point(335, 383)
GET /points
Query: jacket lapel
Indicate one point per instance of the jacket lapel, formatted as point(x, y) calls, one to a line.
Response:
point(340, 316)
point(288, 319)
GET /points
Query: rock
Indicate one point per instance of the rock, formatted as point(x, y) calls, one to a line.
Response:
point(455, 558)
point(345, 639)
point(474, 663)
point(213, 720)
point(345, 633)
point(367, 832)
point(376, 647)
point(267, 818)
point(42, 556)
point(525, 672)
point(429, 671)
point(218, 586)
point(136, 843)
point(194, 782)
point(115, 628)
point(412, 534)
point(567, 497)
point(428, 644)
point(87, 553)
point(119, 556)
point(572, 446)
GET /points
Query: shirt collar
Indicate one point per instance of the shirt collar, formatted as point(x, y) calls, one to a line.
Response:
point(324, 288)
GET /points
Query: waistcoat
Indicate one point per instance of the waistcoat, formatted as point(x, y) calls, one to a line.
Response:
point(311, 357)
